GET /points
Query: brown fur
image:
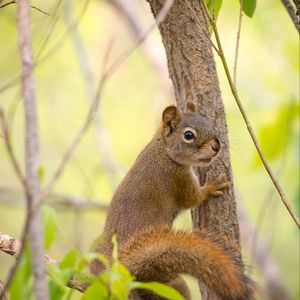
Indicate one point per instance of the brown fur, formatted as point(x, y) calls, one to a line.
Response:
point(159, 185)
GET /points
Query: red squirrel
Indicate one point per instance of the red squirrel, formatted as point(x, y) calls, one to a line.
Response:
point(159, 185)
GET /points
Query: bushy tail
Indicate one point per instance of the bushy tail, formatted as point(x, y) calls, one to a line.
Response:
point(160, 254)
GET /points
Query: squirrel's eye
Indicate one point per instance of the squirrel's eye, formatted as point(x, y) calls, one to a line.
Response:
point(188, 136)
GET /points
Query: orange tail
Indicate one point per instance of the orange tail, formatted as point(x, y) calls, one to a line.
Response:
point(160, 254)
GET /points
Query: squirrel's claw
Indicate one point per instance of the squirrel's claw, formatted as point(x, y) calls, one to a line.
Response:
point(217, 193)
point(214, 188)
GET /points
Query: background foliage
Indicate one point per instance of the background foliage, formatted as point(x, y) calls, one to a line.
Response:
point(131, 104)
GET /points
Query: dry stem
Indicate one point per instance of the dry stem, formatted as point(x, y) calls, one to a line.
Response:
point(291, 11)
point(245, 117)
point(238, 35)
point(33, 224)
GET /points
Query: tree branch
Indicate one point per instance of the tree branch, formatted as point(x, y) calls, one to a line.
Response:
point(12, 247)
point(11, 153)
point(31, 6)
point(51, 51)
point(133, 16)
point(293, 15)
point(247, 122)
point(11, 196)
point(31, 153)
point(5, 296)
point(102, 139)
point(237, 44)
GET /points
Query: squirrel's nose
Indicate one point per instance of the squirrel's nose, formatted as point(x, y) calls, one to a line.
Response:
point(216, 145)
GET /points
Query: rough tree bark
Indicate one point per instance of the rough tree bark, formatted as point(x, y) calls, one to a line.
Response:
point(193, 72)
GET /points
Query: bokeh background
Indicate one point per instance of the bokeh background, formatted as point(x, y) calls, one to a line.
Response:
point(71, 47)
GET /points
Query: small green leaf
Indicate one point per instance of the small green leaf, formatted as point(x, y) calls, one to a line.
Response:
point(96, 291)
point(120, 281)
point(214, 7)
point(57, 275)
point(21, 286)
point(278, 129)
point(50, 225)
point(56, 290)
point(159, 289)
point(41, 173)
point(115, 247)
point(89, 257)
point(249, 7)
point(70, 260)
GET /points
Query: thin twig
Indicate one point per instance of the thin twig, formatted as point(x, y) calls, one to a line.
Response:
point(297, 4)
point(247, 122)
point(291, 11)
point(70, 150)
point(238, 35)
point(214, 10)
point(262, 256)
point(31, 6)
point(271, 192)
point(14, 268)
point(104, 145)
point(5, 296)
point(8, 3)
point(133, 17)
point(12, 246)
point(13, 197)
point(31, 152)
point(40, 10)
point(160, 18)
point(11, 153)
point(53, 22)
point(50, 52)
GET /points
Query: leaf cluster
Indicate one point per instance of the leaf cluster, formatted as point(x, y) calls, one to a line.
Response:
point(115, 283)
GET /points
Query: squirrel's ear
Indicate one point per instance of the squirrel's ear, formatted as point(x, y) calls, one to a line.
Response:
point(170, 115)
point(190, 107)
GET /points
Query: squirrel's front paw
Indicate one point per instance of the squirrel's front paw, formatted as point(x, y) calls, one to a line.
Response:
point(214, 188)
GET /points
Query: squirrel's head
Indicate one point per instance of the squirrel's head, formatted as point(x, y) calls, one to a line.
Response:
point(189, 138)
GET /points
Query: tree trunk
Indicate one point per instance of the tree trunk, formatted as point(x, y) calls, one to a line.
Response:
point(193, 72)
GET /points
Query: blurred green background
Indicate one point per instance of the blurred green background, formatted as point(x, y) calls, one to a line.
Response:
point(71, 55)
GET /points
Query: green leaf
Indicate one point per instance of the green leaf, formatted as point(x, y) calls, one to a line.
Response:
point(249, 7)
point(56, 290)
point(21, 286)
point(57, 275)
point(96, 291)
point(214, 7)
point(277, 130)
point(115, 247)
point(89, 257)
point(70, 260)
point(58, 280)
point(120, 281)
point(159, 289)
point(50, 225)
point(41, 173)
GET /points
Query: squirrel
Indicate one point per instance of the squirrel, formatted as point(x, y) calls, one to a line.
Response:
point(160, 184)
